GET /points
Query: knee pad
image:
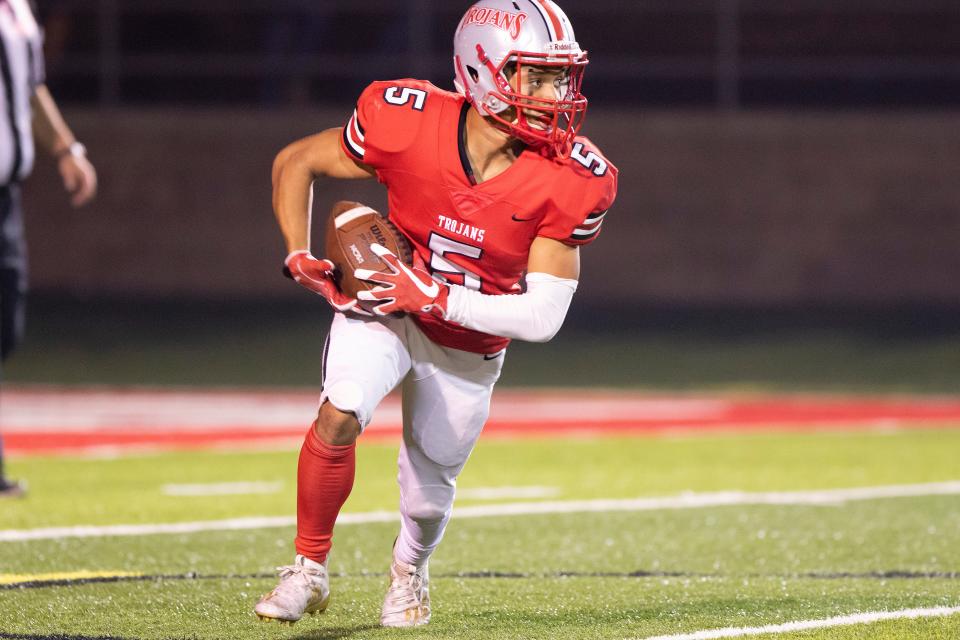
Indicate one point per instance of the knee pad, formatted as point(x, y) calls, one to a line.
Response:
point(346, 395)
point(431, 503)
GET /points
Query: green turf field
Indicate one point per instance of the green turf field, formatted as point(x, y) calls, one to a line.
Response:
point(608, 574)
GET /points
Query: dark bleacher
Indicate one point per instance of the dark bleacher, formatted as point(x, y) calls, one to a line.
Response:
point(696, 53)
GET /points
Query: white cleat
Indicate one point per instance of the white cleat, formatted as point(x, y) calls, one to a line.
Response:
point(408, 600)
point(304, 588)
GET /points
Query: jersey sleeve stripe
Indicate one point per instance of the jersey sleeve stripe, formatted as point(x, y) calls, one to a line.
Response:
point(595, 217)
point(350, 138)
point(351, 146)
point(358, 128)
point(581, 234)
point(590, 227)
point(590, 224)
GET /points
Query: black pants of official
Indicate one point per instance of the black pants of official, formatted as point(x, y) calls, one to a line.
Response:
point(13, 270)
point(13, 279)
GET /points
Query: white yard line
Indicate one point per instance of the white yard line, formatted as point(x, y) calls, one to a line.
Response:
point(502, 493)
point(804, 625)
point(682, 501)
point(221, 489)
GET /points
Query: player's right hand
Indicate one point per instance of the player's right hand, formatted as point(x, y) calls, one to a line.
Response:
point(317, 276)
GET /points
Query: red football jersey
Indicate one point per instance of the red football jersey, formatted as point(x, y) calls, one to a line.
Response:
point(475, 235)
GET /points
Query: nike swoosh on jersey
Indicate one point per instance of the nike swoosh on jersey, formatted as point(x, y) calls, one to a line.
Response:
point(516, 219)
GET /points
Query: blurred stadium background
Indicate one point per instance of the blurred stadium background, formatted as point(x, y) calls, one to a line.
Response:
point(789, 203)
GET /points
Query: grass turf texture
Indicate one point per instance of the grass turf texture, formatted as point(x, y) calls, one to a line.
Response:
point(68, 491)
point(606, 575)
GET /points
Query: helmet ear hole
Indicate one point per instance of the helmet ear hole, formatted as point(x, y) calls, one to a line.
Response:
point(474, 74)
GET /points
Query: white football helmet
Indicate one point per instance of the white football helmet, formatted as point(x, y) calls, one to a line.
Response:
point(495, 35)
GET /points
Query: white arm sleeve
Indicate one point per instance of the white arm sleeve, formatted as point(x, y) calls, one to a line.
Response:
point(534, 316)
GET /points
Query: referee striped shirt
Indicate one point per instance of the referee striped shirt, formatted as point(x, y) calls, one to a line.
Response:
point(21, 71)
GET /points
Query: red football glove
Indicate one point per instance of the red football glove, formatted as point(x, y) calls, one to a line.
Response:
point(405, 288)
point(317, 275)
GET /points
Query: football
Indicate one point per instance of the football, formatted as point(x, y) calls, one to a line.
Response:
point(351, 229)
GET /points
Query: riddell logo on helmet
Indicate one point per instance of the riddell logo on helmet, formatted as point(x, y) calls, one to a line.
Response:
point(512, 23)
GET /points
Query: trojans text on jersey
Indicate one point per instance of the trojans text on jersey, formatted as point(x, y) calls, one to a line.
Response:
point(460, 228)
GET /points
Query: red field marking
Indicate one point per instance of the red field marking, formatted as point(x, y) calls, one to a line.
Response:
point(44, 420)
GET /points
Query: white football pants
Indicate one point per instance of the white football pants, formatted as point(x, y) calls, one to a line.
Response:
point(446, 401)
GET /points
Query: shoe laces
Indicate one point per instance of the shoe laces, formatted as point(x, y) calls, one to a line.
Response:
point(408, 585)
point(306, 574)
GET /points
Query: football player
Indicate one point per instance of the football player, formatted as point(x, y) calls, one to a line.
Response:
point(496, 192)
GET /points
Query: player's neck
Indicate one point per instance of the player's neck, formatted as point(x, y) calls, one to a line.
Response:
point(490, 151)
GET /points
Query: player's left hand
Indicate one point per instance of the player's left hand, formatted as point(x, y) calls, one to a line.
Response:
point(79, 178)
point(317, 276)
point(404, 288)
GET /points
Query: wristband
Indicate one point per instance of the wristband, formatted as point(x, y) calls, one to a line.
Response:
point(75, 149)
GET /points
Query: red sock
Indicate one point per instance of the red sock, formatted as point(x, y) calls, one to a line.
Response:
point(324, 480)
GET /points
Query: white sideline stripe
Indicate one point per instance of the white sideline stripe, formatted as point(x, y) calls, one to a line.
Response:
point(804, 625)
point(103, 412)
point(221, 488)
point(682, 501)
point(233, 524)
point(500, 493)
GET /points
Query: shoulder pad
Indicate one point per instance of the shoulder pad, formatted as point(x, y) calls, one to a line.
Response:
point(588, 196)
point(586, 159)
point(390, 113)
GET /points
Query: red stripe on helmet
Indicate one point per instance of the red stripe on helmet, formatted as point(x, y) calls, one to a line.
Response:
point(557, 23)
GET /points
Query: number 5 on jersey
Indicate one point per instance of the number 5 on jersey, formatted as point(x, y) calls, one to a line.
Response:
point(590, 160)
point(441, 246)
point(400, 96)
